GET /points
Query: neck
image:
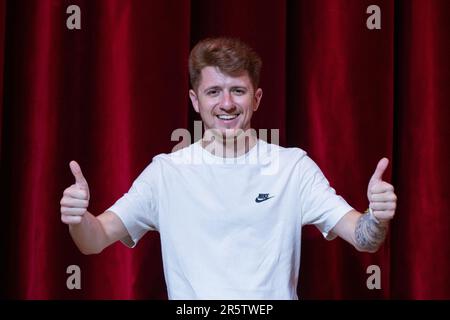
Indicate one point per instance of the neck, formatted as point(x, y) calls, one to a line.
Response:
point(229, 147)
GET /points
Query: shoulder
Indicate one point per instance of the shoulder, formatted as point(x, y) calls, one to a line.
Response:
point(181, 156)
point(291, 158)
point(285, 154)
point(160, 164)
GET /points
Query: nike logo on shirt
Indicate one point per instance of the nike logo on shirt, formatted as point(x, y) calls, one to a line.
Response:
point(262, 197)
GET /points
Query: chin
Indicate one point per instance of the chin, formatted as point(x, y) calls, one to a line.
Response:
point(231, 133)
point(223, 133)
point(231, 130)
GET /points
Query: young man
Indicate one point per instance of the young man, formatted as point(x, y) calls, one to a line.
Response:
point(228, 229)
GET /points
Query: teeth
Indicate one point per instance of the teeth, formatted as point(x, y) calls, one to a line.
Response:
point(227, 116)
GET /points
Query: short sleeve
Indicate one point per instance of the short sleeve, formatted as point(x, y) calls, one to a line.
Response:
point(138, 208)
point(320, 205)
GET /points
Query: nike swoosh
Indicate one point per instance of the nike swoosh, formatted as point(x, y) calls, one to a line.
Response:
point(258, 200)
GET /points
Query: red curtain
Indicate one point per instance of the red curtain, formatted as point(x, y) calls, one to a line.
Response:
point(110, 94)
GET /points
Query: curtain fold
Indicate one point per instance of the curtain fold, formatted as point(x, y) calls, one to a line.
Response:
point(110, 94)
point(421, 232)
point(340, 111)
point(2, 56)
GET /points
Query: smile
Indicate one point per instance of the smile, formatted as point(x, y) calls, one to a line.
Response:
point(227, 116)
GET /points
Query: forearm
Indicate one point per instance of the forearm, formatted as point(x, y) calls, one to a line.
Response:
point(88, 235)
point(369, 235)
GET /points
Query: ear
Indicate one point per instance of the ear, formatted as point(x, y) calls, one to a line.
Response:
point(258, 96)
point(194, 100)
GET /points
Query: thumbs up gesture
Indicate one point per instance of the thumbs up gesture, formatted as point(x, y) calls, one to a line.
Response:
point(382, 199)
point(75, 200)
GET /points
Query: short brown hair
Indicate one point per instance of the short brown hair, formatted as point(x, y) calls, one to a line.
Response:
point(231, 56)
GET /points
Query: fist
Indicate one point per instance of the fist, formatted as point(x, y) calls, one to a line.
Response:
point(75, 200)
point(382, 199)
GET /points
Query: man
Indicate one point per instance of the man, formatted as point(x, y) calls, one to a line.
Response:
point(229, 230)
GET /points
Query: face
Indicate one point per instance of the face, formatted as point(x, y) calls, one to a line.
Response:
point(224, 102)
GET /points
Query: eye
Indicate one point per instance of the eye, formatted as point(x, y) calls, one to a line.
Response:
point(239, 91)
point(212, 92)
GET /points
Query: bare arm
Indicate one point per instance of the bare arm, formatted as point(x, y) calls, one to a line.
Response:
point(362, 231)
point(370, 233)
point(93, 234)
point(90, 234)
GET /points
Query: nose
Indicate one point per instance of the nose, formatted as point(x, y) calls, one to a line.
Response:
point(227, 102)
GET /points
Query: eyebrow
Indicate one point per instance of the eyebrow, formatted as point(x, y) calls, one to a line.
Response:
point(220, 88)
point(239, 87)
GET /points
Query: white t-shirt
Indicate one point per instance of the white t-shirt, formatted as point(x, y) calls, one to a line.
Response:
point(230, 228)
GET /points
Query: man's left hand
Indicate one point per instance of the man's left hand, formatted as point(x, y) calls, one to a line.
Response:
point(382, 199)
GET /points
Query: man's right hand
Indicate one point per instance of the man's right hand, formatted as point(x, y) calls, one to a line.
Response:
point(75, 200)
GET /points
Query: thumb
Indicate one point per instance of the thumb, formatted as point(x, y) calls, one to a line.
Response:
point(76, 171)
point(381, 167)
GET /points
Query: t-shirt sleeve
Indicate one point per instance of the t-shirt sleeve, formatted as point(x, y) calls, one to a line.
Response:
point(138, 208)
point(321, 206)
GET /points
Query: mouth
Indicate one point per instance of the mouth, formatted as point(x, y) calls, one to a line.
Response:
point(227, 117)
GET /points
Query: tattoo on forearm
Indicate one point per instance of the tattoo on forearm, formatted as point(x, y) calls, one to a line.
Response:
point(369, 234)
